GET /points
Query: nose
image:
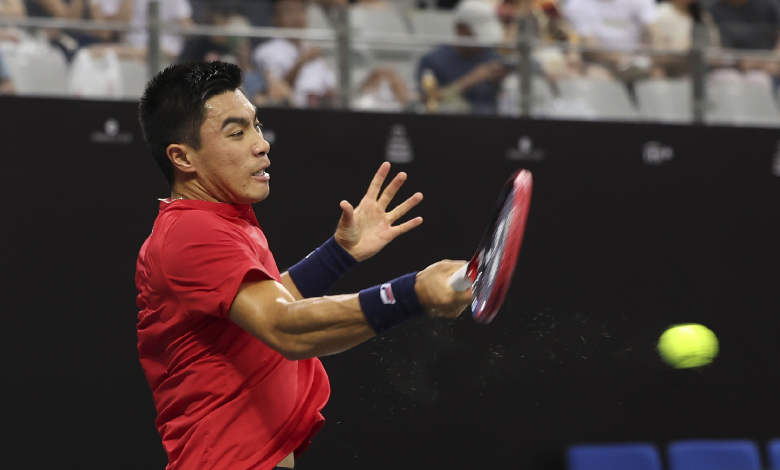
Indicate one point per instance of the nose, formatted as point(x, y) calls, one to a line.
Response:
point(261, 148)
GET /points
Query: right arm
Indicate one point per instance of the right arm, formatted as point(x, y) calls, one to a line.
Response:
point(306, 56)
point(301, 329)
point(60, 9)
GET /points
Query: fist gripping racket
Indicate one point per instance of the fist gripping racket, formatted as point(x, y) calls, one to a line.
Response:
point(490, 270)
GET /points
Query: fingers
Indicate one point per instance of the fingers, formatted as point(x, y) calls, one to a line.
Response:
point(390, 191)
point(405, 206)
point(347, 213)
point(376, 183)
point(406, 226)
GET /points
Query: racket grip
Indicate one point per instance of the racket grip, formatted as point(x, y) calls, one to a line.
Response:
point(459, 281)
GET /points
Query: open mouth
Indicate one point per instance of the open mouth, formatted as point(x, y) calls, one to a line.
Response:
point(259, 173)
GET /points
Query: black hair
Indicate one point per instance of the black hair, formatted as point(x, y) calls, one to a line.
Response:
point(173, 109)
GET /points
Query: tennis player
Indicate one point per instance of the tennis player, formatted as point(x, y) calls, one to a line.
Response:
point(228, 344)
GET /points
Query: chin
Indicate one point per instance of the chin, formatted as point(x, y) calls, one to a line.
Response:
point(257, 197)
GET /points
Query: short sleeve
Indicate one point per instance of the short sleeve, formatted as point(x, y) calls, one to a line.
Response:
point(177, 9)
point(109, 7)
point(205, 260)
point(648, 11)
point(580, 17)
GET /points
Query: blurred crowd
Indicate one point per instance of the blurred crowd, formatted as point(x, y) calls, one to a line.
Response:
point(624, 40)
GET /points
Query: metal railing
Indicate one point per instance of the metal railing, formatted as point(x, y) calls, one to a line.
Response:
point(344, 41)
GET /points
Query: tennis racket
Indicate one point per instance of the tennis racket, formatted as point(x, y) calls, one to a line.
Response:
point(490, 270)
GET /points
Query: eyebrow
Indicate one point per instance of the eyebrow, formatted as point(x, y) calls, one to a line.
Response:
point(242, 121)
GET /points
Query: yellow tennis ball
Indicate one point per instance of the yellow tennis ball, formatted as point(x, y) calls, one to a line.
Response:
point(689, 345)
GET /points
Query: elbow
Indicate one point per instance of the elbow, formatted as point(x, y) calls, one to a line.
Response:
point(291, 349)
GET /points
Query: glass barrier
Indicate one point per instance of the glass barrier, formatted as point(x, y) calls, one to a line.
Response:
point(399, 57)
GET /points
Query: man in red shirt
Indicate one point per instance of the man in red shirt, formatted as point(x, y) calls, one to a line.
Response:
point(227, 343)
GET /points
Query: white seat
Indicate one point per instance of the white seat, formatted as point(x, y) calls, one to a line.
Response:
point(433, 23)
point(37, 70)
point(741, 103)
point(369, 21)
point(134, 78)
point(668, 100)
point(593, 99)
point(541, 97)
point(98, 76)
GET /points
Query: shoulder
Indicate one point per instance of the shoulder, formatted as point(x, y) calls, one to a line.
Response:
point(276, 46)
point(437, 54)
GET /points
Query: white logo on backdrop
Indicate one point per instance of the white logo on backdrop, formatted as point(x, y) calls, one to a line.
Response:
point(269, 136)
point(776, 161)
point(525, 150)
point(111, 134)
point(655, 153)
point(399, 148)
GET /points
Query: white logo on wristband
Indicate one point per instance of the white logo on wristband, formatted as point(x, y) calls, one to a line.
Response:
point(386, 292)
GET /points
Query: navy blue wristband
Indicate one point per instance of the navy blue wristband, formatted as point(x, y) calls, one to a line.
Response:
point(391, 303)
point(316, 274)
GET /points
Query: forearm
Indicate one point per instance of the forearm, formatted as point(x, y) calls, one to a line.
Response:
point(292, 74)
point(323, 325)
point(467, 81)
point(300, 329)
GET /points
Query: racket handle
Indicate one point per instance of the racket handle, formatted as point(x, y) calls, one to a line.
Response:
point(459, 281)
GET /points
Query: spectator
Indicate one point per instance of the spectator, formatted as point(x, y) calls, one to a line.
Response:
point(675, 31)
point(69, 42)
point(261, 89)
point(748, 24)
point(753, 25)
point(466, 75)
point(384, 89)
point(616, 25)
point(294, 61)
point(548, 27)
point(211, 48)
point(6, 83)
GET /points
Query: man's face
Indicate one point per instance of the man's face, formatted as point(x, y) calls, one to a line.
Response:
point(230, 164)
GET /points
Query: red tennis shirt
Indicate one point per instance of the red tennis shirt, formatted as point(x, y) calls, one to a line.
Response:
point(224, 399)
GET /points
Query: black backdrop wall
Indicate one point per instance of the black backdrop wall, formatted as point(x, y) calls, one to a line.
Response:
point(632, 228)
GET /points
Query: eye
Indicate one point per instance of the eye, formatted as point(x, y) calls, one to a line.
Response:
point(236, 134)
point(258, 126)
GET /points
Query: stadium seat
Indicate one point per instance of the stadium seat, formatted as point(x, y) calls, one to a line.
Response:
point(665, 100)
point(593, 99)
point(433, 23)
point(714, 455)
point(773, 449)
point(741, 103)
point(134, 77)
point(541, 97)
point(367, 21)
point(37, 69)
point(625, 456)
point(96, 76)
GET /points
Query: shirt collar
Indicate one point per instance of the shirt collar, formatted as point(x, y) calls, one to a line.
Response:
point(243, 211)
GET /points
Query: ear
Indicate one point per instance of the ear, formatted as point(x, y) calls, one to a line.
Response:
point(180, 156)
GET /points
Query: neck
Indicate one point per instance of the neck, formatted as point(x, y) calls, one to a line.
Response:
point(193, 192)
point(682, 8)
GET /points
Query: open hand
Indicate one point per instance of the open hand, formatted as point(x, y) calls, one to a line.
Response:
point(365, 230)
